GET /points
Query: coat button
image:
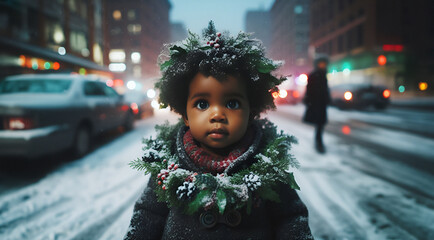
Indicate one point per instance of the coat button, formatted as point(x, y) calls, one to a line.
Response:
point(208, 219)
point(233, 218)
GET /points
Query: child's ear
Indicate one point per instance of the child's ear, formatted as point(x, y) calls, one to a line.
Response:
point(184, 117)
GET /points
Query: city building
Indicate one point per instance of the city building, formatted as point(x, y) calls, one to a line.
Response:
point(258, 22)
point(136, 32)
point(43, 36)
point(290, 36)
point(178, 32)
point(388, 42)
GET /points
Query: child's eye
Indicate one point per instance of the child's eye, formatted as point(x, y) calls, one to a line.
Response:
point(201, 104)
point(233, 104)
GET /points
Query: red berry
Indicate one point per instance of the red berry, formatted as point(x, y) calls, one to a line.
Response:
point(175, 167)
point(163, 177)
point(219, 34)
point(170, 167)
point(164, 187)
point(159, 182)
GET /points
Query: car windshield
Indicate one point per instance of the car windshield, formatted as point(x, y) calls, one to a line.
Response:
point(34, 86)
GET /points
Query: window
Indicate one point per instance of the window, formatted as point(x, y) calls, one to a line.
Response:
point(93, 89)
point(134, 28)
point(117, 55)
point(35, 86)
point(131, 14)
point(117, 15)
point(78, 41)
point(115, 31)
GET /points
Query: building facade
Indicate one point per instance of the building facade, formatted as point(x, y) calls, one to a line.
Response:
point(386, 42)
point(290, 36)
point(136, 32)
point(258, 22)
point(48, 35)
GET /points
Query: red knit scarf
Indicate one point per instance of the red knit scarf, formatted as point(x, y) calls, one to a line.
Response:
point(211, 163)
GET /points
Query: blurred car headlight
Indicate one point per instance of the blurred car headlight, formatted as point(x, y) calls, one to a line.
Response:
point(386, 93)
point(283, 93)
point(348, 95)
point(134, 107)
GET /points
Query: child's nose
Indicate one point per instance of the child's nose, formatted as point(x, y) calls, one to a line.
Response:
point(218, 115)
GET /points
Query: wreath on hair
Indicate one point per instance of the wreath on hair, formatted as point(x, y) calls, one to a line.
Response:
point(217, 45)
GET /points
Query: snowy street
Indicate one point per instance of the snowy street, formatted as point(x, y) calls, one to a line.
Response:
point(374, 182)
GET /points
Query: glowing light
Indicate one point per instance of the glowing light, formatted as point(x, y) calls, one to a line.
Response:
point(117, 67)
point(347, 71)
point(135, 108)
point(118, 82)
point(34, 66)
point(155, 104)
point(346, 130)
point(348, 96)
point(22, 60)
point(117, 55)
point(135, 57)
point(61, 50)
point(150, 93)
point(401, 89)
point(423, 86)
point(131, 85)
point(386, 93)
point(56, 66)
point(295, 94)
point(109, 83)
point(47, 65)
point(275, 94)
point(283, 93)
point(117, 15)
point(393, 47)
point(301, 80)
point(382, 60)
point(82, 71)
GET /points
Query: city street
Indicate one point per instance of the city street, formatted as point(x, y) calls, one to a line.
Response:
point(374, 182)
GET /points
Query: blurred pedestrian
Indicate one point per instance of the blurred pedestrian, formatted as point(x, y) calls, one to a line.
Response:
point(316, 99)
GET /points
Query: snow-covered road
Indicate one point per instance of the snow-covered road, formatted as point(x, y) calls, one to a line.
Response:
point(375, 182)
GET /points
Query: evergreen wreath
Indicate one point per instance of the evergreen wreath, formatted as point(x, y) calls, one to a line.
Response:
point(192, 191)
point(218, 54)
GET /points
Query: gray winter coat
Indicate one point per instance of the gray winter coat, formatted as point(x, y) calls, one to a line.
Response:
point(267, 220)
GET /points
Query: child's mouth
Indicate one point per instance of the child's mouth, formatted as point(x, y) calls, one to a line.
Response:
point(218, 133)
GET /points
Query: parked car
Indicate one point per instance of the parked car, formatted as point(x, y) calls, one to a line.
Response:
point(139, 103)
point(46, 113)
point(287, 96)
point(360, 95)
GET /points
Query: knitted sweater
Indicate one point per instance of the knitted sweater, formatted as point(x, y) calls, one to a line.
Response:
point(287, 219)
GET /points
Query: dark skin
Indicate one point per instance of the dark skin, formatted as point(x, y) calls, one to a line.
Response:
point(217, 112)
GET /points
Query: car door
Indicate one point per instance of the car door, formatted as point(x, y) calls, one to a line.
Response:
point(98, 104)
point(115, 104)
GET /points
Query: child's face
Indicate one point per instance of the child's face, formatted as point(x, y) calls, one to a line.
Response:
point(217, 112)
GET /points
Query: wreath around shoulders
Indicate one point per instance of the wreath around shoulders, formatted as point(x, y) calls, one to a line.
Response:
point(194, 191)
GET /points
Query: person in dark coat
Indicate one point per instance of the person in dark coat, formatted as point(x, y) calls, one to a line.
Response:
point(221, 172)
point(316, 99)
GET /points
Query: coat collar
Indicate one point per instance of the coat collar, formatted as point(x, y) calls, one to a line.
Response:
point(245, 159)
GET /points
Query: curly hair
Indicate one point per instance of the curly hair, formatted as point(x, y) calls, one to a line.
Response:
point(227, 60)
